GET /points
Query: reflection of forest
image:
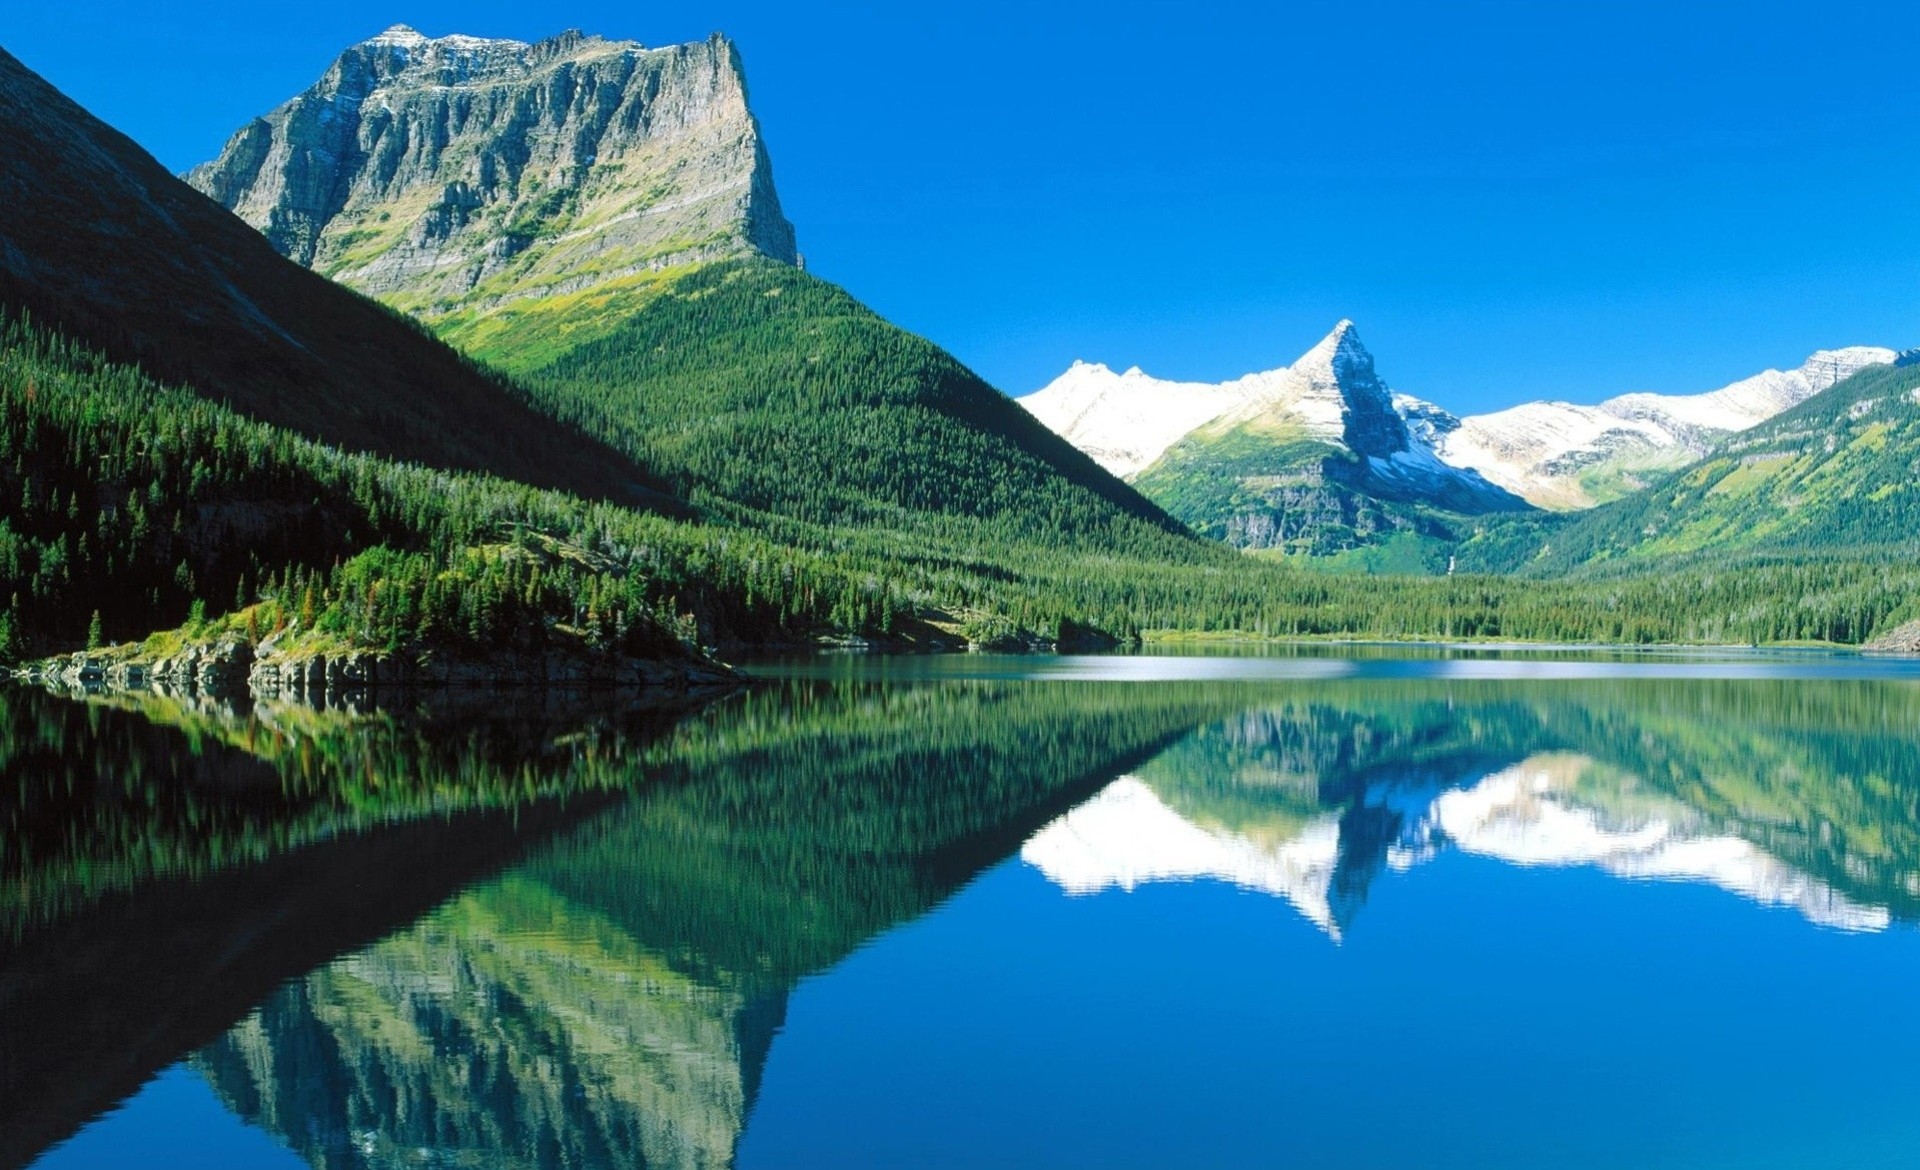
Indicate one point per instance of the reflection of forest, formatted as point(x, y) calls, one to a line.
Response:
point(609, 999)
point(165, 868)
point(1787, 793)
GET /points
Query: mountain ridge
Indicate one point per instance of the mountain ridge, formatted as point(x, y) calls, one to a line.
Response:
point(1555, 455)
point(727, 368)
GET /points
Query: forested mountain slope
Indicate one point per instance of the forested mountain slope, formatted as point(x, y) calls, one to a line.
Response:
point(761, 385)
point(100, 241)
point(1840, 473)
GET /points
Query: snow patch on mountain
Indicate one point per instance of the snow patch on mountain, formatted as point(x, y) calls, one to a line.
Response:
point(1126, 421)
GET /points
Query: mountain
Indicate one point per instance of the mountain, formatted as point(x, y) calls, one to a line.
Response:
point(101, 243)
point(1555, 455)
point(599, 220)
point(1838, 472)
point(1562, 456)
point(460, 173)
point(1313, 457)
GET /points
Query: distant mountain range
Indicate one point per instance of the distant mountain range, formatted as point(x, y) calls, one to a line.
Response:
point(1235, 459)
point(1563, 456)
point(1839, 471)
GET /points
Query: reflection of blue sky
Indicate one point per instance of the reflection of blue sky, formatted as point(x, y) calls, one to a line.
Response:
point(1481, 1018)
point(175, 1121)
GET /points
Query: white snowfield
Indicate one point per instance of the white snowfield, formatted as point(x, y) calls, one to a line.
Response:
point(1544, 452)
point(1126, 421)
point(1526, 815)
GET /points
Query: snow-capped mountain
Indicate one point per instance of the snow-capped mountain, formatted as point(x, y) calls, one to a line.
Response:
point(1560, 455)
point(1556, 455)
point(1311, 457)
point(1127, 421)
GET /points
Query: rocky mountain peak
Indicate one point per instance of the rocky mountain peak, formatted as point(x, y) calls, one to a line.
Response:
point(1830, 367)
point(1339, 367)
point(1340, 351)
point(460, 173)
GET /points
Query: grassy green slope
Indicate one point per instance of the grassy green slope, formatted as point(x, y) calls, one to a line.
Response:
point(1838, 474)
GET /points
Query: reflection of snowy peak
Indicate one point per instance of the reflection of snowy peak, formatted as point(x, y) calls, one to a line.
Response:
point(1127, 837)
point(1531, 814)
point(1524, 815)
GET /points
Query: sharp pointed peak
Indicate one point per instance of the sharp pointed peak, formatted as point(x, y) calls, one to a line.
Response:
point(399, 34)
point(1343, 335)
point(1340, 350)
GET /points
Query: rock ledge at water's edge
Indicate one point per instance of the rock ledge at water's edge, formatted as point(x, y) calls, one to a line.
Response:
point(231, 665)
point(1899, 640)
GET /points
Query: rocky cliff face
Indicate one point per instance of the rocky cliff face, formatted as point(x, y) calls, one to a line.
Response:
point(459, 172)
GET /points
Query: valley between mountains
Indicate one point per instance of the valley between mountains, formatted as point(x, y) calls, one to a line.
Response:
point(485, 361)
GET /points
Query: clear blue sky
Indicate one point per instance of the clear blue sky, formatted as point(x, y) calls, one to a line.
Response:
point(1512, 201)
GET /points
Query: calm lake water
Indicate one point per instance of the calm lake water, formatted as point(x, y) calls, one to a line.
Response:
point(1335, 908)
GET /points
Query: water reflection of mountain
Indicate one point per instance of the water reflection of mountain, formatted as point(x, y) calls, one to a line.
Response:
point(610, 1001)
point(483, 940)
point(165, 869)
point(1784, 793)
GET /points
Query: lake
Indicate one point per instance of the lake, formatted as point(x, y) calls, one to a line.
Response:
point(1329, 907)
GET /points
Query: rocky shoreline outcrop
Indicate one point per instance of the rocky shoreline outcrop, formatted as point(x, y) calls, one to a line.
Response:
point(231, 666)
point(1899, 640)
